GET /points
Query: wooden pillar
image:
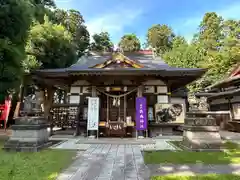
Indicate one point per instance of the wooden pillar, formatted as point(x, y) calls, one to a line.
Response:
point(80, 109)
point(140, 91)
point(107, 108)
point(125, 108)
point(94, 91)
point(230, 106)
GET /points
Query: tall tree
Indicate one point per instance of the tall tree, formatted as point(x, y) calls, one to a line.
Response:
point(130, 43)
point(51, 45)
point(186, 55)
point(229, 49)
point(15, 21)
point(73, 21)
point(220, 42)
point(102, 42)
point(42, 8)
point(216, 47)
point(160, 38)
point(210, 31)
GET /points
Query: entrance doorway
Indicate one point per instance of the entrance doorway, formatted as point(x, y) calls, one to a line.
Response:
point(116, 108)
point(118, 113)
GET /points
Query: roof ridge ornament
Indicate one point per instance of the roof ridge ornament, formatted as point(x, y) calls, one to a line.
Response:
point(117, 48)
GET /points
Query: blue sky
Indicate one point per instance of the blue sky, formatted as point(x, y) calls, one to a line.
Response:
point(120, 17)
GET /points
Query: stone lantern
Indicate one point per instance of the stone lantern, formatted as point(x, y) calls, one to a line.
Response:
point(30, 131)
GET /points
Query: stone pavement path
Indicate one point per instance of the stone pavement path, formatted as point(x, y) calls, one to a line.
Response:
point(108, 162)
point(71, 144)
point(192, 169)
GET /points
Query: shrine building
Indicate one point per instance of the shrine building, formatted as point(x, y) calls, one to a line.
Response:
point(224, 98)
point(131, 94)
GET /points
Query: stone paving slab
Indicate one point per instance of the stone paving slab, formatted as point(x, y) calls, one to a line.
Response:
point(193, 169)
point(108, 161)
point(160, 144)
point(71, 144)
point(118, 141)
point(227, 135)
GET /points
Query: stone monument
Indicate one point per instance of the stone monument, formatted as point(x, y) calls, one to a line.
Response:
point(200, 130)
point(30, 131)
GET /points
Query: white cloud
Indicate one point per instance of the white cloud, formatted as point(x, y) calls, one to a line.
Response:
point(231, 12)
point(187, 27)
point(114, 21)
point(64, 4)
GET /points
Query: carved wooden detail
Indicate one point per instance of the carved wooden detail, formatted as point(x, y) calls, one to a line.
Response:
point(116, 128)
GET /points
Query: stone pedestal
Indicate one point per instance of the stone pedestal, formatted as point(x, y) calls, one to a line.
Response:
point(161, 131)
point(140, 135)
point(201, 133)
point(29, 134)
point(91, 134)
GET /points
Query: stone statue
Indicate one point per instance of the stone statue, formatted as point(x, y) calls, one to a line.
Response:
point(33, 104)
point(27, 104)
point(40, 100)
point(31, 125)
point(203, 105)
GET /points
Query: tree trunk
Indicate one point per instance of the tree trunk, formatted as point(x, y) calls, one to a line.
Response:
point(48, 101)
point(47, 104)
point(19, 102)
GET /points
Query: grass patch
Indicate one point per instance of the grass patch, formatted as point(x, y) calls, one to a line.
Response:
point(199, 177)
point(43, 165)
point(230, 156)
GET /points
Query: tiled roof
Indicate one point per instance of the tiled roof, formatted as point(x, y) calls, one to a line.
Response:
point(145, 58)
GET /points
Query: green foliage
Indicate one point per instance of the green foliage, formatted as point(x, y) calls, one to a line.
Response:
point(101, 42)
point(230, 155)
point(210, 31)
point(73, 21)
point(42, 8)
point(51, 45)
point(15, 21)
point(44, 165)
point(183, 54)
point(216, 47)
point(130, 43)
point(198, 177)
point(160, 37)
point(13, 15)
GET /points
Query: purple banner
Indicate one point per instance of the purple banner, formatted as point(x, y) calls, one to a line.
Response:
point(141, 113)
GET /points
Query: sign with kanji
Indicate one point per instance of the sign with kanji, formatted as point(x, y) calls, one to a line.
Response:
point(141, 113)
point(93, 113)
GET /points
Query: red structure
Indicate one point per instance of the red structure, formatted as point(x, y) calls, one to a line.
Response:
point(4, 111)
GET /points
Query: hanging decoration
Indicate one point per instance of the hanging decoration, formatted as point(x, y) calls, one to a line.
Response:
point(116, 98)
point(116, 101)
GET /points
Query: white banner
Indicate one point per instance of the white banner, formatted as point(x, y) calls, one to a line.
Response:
point(93, 113)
